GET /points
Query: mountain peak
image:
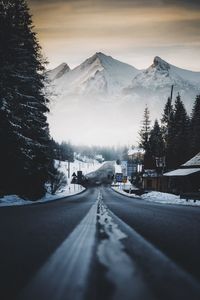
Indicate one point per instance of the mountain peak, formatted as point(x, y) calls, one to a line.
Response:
point(64, 67)
point(99, 59)
point(160, 64)
point(61, 70)
point(58, 71)
point(101, 55)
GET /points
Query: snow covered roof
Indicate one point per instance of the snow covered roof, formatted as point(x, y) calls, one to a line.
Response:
point(182, 172)
point(135, 151)
point(195, 161)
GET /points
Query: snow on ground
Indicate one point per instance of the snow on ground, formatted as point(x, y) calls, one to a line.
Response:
point(158, 197)
point(127, 186)
point(118, 168)
point(86, 167)
point(68, 190)
point(122, 186)
point(13, 200)
point(167, 198)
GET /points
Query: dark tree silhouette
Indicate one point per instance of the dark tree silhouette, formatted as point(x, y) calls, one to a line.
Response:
point(24, 129)
point(195, 127)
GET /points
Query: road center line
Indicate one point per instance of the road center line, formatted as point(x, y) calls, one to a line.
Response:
point(121, 269)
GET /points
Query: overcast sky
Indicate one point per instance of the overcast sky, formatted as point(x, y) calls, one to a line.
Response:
point(133, 31)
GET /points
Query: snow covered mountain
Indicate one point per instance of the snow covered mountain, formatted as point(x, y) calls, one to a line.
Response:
point(99, 74)
point(104, 99)
point(160, 76)
point(104, 76)
point(58, 72)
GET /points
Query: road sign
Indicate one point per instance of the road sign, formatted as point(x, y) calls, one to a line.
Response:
point(119, 177)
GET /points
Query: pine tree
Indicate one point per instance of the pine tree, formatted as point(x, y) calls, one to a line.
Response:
point(167, 115)
point(180, 153)
point(9, 124)
point(195, 127)
point(66, 152)
point(167, 121)
point(144, 139)
point(26, 105)
point(145, 130)
point(156, 142)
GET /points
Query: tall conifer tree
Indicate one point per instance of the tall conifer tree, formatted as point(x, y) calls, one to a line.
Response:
point(167, 121)
point(145, 130)
point(144, 138)
point(195, 127)
point(25, 103)
point(181, 151)
point(156, 142)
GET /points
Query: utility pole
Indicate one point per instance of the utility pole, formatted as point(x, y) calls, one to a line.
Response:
point(172, 89)
point(171, 96)
point(168, 121)
point(68, 169)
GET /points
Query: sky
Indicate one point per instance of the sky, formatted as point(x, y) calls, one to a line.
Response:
point(133, 31)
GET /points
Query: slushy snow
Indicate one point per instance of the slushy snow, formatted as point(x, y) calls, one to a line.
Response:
point(111, 253)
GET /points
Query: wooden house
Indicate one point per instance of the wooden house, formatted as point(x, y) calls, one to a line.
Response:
point(186, 179)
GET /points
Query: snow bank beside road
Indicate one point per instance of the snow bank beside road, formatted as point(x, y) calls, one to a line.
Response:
point(128, 186)
point(68, 190)
point(13, 200)
point(166, 198)
point(159, 197)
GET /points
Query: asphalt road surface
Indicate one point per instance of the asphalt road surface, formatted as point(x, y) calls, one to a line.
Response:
point(162, 241)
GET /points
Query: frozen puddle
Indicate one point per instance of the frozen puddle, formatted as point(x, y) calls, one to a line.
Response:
point(121, 271)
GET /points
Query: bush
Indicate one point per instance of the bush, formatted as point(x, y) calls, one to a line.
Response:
point(57, 181)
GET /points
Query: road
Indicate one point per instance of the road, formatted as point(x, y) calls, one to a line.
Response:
point(160, 242)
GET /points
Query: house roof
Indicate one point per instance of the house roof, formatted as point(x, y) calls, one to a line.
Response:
point(135, 150)
point(182, 172)
point(193, 162)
